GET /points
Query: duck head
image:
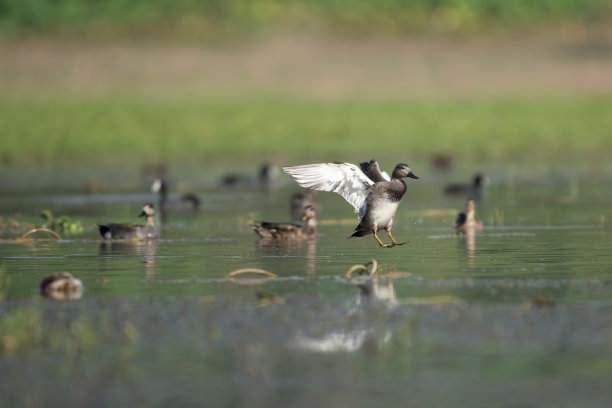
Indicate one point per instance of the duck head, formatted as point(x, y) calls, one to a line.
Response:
point(158, 185)
point(470, 206)
point(309, 213)
point(480, 180)
point(147, 211)
point(403, 170)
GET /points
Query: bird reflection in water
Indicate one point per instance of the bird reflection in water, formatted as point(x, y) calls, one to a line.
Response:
point(469, 241)
point(379, 290)
point(306, 248)
point(374, 291)
point(146, 249)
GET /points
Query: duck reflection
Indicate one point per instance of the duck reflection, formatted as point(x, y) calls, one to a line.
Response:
point(307, 248)
point(468, 242)
point(379, 290)
point(143, 248)
point(373, 292)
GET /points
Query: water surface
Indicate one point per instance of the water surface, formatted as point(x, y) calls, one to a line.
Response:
point(517, 315)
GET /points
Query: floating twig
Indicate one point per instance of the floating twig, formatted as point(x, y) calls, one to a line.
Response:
point(374, 272)
point(24, 236)
point(433, 300)
point(231, 276)
point(361, 269)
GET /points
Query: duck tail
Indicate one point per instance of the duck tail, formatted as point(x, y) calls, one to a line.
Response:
point(359, 232)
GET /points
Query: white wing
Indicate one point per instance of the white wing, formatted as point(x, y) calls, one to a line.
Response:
point(345, 179)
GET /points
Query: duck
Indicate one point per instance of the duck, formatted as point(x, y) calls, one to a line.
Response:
point(466, 222)
point(188, 201)
point(280, 231)
point(374, 197)
point(131, 231)
point(61, 285)
point(302, 199)
point(442, 162)
point(267, 174)
point(473, 190)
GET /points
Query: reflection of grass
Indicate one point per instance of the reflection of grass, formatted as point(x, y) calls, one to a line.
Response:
point(510, 129)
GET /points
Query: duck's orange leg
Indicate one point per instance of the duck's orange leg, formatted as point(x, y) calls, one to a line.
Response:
point(381, 243)
point(394, 241)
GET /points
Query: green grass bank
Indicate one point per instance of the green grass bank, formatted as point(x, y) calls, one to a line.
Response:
point(113, 129)
point(214, 19)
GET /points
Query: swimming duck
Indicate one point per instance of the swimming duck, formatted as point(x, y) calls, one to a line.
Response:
point(267, 174)
point(466, 222)
point(273, 230)
point(61, 285)
point(442, 162)
point(299, 202)
point(131, 231)
point(186, 202)
point(374, 197)
point(473, 190)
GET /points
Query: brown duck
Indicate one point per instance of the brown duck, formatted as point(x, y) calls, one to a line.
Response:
point(279, 231)
point(466, 222)
point(61, 285)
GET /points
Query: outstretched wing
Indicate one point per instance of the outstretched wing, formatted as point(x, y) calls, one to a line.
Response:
point(372, 171)
point(345, 179)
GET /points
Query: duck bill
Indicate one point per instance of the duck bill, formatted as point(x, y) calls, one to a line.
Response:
point(412, 175)
point(142, 214)
point(304, 218)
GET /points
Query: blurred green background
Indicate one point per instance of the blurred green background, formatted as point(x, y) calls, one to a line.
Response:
point(141, 81)
point(205, 18)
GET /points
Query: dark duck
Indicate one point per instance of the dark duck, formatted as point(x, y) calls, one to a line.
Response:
point(472, 189)
point(131, 231)
point(187, 201)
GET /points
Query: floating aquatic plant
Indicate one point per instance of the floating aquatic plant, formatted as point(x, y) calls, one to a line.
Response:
point(62, 223)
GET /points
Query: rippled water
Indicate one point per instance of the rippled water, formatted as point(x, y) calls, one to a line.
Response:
point(518, 315)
